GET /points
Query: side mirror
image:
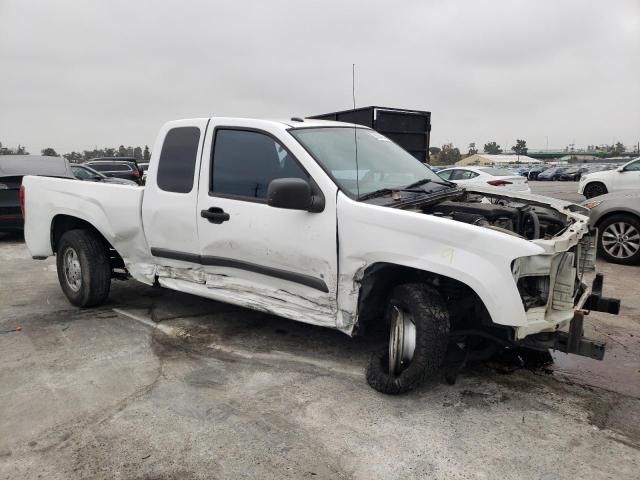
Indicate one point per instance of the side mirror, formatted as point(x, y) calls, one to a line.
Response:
point(620, 169)
point(293, 194)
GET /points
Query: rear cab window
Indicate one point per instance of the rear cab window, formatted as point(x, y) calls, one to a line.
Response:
point(177, 163)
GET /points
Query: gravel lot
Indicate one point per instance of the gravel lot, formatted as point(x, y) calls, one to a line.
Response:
point(158, 385)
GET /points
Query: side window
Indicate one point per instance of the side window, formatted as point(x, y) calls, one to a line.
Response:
point(177, 163)
point(245, 162)
point(446, 175)
point(101, 167)
point(457, 175)
point(633, 167)
point(119, 167)
point(463, 175)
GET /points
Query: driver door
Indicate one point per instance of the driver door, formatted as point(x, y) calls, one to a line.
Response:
point(279, 260)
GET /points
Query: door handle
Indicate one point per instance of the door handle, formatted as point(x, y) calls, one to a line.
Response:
point(215, 215)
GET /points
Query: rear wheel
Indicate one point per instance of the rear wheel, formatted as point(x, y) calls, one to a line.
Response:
point(594, 189)
point(417, 342)
point(84, 269)
point(619, 239)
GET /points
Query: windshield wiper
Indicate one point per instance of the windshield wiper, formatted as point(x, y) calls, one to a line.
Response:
point(376, 193)
point(423, 182)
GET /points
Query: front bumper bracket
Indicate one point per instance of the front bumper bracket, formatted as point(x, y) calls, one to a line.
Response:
point(574, 340)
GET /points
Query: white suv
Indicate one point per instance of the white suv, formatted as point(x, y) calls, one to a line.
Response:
point(626, 177)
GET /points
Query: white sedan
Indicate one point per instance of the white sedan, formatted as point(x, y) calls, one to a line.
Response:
point(626, 177)
point(487, 176)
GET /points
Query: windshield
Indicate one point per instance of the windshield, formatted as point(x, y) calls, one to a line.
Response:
point(381, 163)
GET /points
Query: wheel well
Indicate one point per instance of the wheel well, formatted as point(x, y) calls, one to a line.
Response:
point(614, 213)
point(594, 182)
point(466, 309)
point(64, 223)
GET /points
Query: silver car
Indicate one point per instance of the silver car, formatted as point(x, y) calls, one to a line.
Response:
point(617, 218)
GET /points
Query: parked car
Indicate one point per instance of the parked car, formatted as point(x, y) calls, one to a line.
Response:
point(83, 172)
point(12, 170)
point(572, 174)
point(535, 171)
point(117, 167)
point(552, 174)
point(617, 218)
point(277, 217)
point(486, 176)
point(626, 177)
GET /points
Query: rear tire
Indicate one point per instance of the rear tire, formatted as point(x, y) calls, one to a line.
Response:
point(427, 311)
point(619, 239)
point(84, 268)
point(594, 189)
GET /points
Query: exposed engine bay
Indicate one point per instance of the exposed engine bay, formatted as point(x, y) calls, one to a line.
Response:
point(527, 220)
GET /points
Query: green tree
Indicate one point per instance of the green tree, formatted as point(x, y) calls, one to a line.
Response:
point(434, 151)
point(619, 148)
point(21, 150)
point(472, 148)
point(49, 152)
point(520, 148)
point(492, 148)
point(122, 151)
point(146, 156)
point(449, 154)
point(137, 153)
point(74, 157)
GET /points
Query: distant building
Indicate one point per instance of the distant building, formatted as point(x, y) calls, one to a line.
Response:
point(486, 159)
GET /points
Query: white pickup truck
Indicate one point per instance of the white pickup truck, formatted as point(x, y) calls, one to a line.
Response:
point(334, 225)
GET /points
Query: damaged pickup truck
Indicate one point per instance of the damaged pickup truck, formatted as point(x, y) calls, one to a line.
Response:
point(334, 225)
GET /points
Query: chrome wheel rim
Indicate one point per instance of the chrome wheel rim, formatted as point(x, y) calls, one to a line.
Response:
point(71, 269)
point(402, 340)
point(621, 240)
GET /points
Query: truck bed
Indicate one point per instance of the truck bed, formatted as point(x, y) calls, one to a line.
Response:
point(114, 210)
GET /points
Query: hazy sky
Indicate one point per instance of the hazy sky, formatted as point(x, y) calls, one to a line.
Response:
point(84, 73)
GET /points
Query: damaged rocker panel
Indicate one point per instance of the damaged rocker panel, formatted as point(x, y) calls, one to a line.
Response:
point(209, 260)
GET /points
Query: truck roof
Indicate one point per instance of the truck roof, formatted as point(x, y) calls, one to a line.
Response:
point(288, 123)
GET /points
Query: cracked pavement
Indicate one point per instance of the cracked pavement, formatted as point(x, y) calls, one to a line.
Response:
point(223, 392)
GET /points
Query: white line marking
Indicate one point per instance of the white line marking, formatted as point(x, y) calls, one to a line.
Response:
point(150, 323)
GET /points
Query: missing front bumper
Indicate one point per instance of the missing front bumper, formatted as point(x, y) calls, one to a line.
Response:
point(574, 340)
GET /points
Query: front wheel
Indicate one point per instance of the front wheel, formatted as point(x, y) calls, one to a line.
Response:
point(417, 342)
point(619, 239)
point(84, 269)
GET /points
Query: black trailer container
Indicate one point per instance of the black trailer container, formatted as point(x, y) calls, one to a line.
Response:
point(408, 128)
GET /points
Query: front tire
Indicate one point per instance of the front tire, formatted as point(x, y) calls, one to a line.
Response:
point(84, 268)
point(619, 239)
point(594, 189)
point(417, 343)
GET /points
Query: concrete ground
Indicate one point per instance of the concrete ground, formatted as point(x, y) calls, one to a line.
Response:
point(160, 385)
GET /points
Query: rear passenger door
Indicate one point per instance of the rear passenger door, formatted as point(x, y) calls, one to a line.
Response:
point(278, 260)
point(171, 194)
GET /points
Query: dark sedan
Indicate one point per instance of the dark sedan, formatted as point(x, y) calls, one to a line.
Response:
point(12, 169)
point(572, 174)
point(552, 174)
